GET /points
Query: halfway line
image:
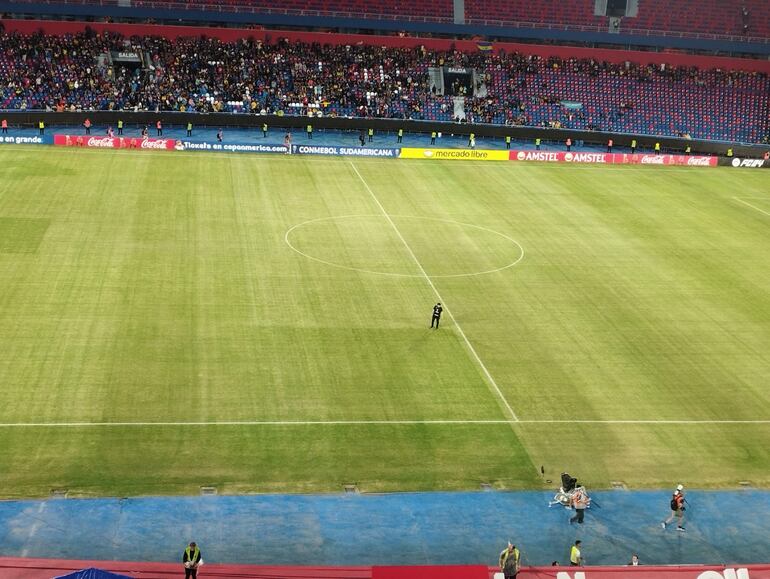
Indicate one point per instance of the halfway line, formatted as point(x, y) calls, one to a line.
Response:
point(440, 299)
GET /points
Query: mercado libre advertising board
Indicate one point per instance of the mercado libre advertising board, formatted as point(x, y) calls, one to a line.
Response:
point(454, 154)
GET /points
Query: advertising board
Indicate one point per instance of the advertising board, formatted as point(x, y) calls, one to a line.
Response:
point(648, 572)
point(107, 142)
point(237, 147)
point(19, 140)
point(613, 158)
point(741, 163)
point(454, 154)
point(345, 151)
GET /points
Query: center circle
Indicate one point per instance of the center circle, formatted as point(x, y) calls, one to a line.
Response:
point(415, 247)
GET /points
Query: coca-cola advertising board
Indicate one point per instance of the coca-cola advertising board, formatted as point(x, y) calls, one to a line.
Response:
point(107, 142)
point(652, 159)
point(612, 158)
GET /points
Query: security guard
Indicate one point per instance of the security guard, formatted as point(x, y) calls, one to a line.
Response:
point(189, 129)
point(264, 130)
point(510, 561)
point(41, 128)
point(433, 137)
point(575, 556)
point(436, 317)
point(729, 151)
point(633, 146)
point(471, 139)
point(120, 127)
point(537, 143)
point(507, 141)
point(310, 132)
point(657, 148)
point(191, 559)
point(400, 135)
point(688, 150)
point(371, 134)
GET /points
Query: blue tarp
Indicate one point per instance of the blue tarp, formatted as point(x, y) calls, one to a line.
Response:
point(93, 573)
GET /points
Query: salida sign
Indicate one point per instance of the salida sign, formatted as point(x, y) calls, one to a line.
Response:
point(107, 142)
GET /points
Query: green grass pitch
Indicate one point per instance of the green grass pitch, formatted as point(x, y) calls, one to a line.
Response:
point(271, 313)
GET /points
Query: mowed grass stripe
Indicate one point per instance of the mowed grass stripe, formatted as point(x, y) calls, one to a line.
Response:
point(485, 371)
point(180, 459)
point(624, 333)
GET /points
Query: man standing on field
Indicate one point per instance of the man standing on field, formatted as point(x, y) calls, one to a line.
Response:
point(437, 309)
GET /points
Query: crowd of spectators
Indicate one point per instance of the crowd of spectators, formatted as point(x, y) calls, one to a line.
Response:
point(208, 75)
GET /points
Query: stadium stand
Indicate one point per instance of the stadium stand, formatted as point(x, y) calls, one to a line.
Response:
point(707, 18)
point(545, 12)
point(428, 10)
point(209, 75)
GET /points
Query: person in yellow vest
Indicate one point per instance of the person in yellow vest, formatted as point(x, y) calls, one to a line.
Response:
point(400, 135)
point(537, 144)
point(575, 556)
point(310, 132)
point(191, 559)
point(41, 128)
point(729, 152)
point(189, 129)
point(120, 127)
point(471, 139)
point(510, 561)
point(633, 146)
point(657, 148)
point(433, 138)
point(508, 141)
point(371, 134)
point(688, 150)
point(264, 130)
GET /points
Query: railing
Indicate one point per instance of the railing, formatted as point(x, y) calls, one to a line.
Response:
point(246, 9)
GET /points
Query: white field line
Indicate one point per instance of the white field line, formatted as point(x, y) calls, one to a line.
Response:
point(440, 299)
point(385, 273)
point(362, 423)
point(751, 205)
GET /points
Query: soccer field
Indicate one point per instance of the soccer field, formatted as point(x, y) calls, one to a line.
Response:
point(260, 323)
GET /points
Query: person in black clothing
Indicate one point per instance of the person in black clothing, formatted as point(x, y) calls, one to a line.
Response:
point(437, 309)
point(191, 559)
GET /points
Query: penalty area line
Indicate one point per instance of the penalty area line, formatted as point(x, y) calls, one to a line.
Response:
point(424, 274)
